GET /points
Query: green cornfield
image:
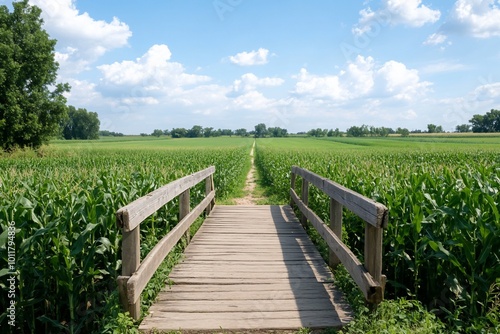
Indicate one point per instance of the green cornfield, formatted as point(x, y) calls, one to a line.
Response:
point(59, 234)
point(66, 249)
point(442, 245)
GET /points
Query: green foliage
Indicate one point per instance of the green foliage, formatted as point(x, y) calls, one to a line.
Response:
point(277, 132)
point(81, 124)
point(395, 317)
point(364, 130)
point(195, 132)
point(432, 128)
point(68, 248)
point(334, 133)
point(463, 128)
point(442, 245)
point(490, 122)
point(404, 132)
point(157, 133)
point(32, 105)
point(317, 132)
point(260, 130)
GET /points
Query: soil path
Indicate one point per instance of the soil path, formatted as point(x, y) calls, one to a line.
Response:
point(250, 196)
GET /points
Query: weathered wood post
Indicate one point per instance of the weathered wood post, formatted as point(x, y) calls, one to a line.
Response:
point(185, 208)
point(336, 227)
point(131, 259)
point(304, 196)
point(209, 186)
point(373, 254)
point(293, 177)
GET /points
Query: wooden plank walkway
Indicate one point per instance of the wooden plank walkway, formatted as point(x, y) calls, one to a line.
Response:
point(249, 268)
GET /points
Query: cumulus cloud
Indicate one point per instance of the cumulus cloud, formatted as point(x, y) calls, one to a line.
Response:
point(250, 81)
point(251, 58)
point(487, 91)
point(81, 39)
point(151, 73)
point(476, 18)
point(363, 78)
point(443, 66)
point(435, 39)
point(327, 86)
point(411, 13)
point(253, 100)
point(401, 82)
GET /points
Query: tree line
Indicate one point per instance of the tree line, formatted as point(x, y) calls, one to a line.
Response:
point(33, 106)
point(197, 131)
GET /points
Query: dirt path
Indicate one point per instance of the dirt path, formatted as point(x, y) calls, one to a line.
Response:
point(250, 196)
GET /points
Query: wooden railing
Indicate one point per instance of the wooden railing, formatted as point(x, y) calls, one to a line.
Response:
point(369, 277)
point(136, 274)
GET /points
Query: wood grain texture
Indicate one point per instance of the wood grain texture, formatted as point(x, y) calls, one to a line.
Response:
point(249, 268)
point(370, 211)
point(372, 290)
point(152, 261)
point(131, 215)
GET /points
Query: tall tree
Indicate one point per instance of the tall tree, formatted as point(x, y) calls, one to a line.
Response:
point(490, 122)
point(463, 128)
point(433, 128)
point(241, 132)
point(195, 132)
point(32, 105)
point(260, 130)
point(81, 124)
point(207, 132)
point(178, 132)
point(157, 133)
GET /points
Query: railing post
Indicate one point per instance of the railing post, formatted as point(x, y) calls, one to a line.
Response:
point(209, 186)
point(336, 227)
point(304, 196)
point(184, 208)
point(373, 253)
point(131, 259)
point(293, 177)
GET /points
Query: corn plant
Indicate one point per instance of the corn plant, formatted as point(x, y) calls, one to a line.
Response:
point(442, 245)
point(68, 247)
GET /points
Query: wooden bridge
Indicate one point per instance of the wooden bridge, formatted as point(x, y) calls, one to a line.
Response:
point(250, 267)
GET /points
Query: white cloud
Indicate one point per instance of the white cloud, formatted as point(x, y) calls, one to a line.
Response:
point(327, 86)
point(250, 81)
point(355, 81)
point(363, 78)
point(152, 73)
point(477, 18)
point(395, 12)
point(443, 66)
point(487, 91)
point(401, 82)
point(435, 39)
point(81, 39)
point(251, 58)
point(253, 101)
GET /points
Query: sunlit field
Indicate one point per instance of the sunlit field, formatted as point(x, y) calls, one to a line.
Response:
point(441, 246)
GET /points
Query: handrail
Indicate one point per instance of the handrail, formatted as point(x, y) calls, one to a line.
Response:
point(369, 276)
point(136, 275)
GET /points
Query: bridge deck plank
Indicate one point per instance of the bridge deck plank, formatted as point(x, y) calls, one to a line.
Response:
point(249, 268)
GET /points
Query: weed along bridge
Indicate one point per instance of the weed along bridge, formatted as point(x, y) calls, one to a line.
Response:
point(250, 267)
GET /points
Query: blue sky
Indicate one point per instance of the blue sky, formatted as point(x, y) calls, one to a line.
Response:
point(299, 65)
